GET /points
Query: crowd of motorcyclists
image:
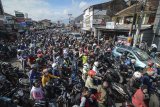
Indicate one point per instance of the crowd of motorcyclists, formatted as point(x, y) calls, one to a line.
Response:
point(65, 72)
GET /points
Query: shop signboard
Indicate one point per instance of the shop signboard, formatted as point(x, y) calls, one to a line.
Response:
point(110, 25)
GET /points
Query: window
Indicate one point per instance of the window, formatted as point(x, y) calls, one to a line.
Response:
point(131, 56)
point(143, 56)
point(120, 50)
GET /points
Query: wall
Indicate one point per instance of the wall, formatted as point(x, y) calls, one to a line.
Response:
point(148, 36)
point(86, 19)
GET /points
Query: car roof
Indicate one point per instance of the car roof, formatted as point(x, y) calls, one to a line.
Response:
point(129, 48)
point(75, 33)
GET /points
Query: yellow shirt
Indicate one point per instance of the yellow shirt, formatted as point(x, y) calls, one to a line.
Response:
point(84, 59)
point(46, 79)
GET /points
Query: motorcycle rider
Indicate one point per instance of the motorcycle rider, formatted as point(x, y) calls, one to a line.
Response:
point(46, 77)
point(141, 97)
point(33, 74)
point(134, 83)
point(85, 98)
point(36, 91)
point(153, 50)
point(90, 80)
point(148, 79)
point(102, 94)
point(95, 67)
point(86, 68)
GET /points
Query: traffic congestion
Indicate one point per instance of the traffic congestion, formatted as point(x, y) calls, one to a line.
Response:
point(60, 69)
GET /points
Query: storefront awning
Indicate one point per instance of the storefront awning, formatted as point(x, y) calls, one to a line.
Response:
point(124, 27)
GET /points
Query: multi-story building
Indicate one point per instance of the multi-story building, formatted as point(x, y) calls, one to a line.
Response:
point(1, 16)
point(9, 22)
point(45, 23)
point(157, 28)
point(97, 15)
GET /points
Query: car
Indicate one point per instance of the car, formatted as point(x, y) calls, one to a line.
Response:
point(140, 56)
point(75, 36)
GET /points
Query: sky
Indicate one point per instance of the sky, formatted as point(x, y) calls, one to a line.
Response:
point(49, 9)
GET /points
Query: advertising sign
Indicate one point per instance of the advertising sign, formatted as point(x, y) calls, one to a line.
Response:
point(110, 25)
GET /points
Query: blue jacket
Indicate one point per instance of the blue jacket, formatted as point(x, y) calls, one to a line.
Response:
point(33, 75)
point(147, 80)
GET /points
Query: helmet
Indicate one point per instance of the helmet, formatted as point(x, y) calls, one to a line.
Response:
point(109, 49)
point(18, 50)
point(133, 61)
point(91, 73)
point(39, 51)
point(54, 65)
point(96, 64)
point(137, 75)
point(150, 63)
point(150, 71)
point(86, 66)
point(154, 45)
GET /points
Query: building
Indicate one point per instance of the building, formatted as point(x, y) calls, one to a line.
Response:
point(9, 22)
point(1, 16)
point(97, 15)
point(45, 23)
point(156, 28)
point(122, 21)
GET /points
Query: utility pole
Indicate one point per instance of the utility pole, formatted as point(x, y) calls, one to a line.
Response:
point(144, 2)
point(69, 15)
point(134, 20)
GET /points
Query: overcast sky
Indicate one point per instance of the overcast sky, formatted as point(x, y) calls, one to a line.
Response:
point(48, 9)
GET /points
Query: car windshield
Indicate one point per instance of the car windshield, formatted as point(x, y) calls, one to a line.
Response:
point(143, 56)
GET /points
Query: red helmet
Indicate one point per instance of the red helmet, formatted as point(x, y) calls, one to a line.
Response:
point(150, 63)
point(91, 73)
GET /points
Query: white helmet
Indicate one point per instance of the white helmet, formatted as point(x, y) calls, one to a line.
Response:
point(86, 66)
point(54, 65)
point(133, 61)
point(137, 75)
point(154, 45)
point(96, 64)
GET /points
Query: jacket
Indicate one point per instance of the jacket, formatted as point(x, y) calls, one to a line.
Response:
point(84, 102)
point(37, 93)
point(89, 83)
point(138, 99)
point(102, 95)
point(46, 79)
point(147, 80)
